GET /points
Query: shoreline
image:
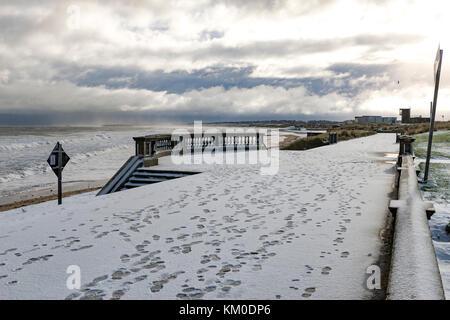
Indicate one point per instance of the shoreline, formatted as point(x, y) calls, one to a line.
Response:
point(48, 194)
point(24, 203)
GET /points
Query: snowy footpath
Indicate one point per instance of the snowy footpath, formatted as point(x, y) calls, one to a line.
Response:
point(308, 232)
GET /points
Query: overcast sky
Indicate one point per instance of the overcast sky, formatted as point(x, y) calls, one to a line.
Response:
point(124, 61)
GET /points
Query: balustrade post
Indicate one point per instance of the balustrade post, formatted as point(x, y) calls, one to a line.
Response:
point(257, 141)
point(406, 147)
point(224, 144)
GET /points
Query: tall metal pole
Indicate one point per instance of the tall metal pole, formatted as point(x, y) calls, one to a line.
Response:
point(433, 115)
point(59, 174)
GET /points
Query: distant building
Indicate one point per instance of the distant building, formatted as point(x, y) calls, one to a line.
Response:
point(419, 119)
point(389, 119)
point(406, 117)
point(375, 119)
point(368, 119)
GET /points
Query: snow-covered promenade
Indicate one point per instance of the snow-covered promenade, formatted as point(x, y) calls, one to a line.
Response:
point(308, 232)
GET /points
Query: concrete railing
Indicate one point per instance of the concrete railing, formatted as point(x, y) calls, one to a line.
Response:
point(332, 138)
point(220, 142)
point(121, 176)
point(414, 270)
point(154, 146)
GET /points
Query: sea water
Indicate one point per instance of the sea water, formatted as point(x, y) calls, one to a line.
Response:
point(96, 153)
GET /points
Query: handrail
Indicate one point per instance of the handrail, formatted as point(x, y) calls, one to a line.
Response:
point(121, 175)
point(414, 272)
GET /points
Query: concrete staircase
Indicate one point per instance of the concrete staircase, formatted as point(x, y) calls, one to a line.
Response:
point(134, 174)
point(144, 176)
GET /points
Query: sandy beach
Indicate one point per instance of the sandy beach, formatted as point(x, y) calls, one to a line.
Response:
point(47, 194)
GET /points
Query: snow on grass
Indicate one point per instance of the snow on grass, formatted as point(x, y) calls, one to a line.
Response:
point(308, 232)
point(438, 190)
point(440, 146)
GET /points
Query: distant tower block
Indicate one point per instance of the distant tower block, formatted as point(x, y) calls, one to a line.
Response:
point(406, 115)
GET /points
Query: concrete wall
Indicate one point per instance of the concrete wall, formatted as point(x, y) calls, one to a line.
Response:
point(414, 273)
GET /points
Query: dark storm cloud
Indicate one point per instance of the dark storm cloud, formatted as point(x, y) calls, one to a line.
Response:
point(31, 117)
point(181, 81)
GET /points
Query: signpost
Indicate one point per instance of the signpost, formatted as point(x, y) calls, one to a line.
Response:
point(57, 161)
point(437, 75)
